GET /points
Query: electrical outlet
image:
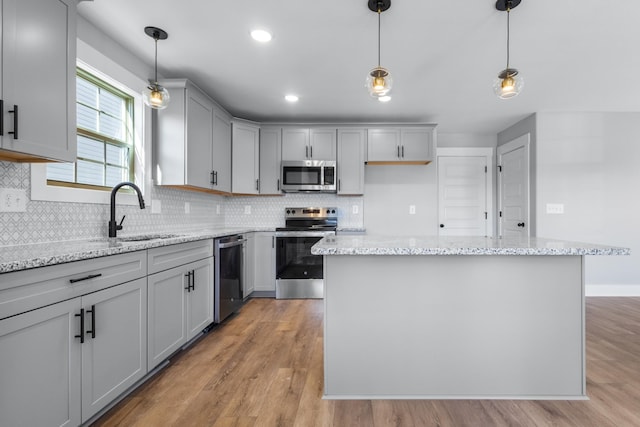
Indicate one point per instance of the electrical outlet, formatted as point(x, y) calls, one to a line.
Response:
point(13, 200)
point(412, 209)
point(247, 209)
point(156, 206)
point(187, 207)
point(355, 209)
point(217, 209)
point(555, 208)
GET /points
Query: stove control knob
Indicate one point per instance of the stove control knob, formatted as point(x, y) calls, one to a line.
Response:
point(328, 211)
point(333, 211)
point(293, 211)
point(288, 211)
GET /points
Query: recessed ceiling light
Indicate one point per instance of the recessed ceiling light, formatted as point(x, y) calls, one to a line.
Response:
point(261, 35)
point(291, 98)
point(385, 98)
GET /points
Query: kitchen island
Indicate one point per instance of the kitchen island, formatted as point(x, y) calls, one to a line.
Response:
point(454, 317)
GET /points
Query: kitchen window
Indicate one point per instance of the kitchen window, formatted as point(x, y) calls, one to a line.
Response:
point(105, 126)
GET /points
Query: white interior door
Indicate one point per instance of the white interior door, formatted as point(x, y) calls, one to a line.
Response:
point(513, 188)
point(464, 189)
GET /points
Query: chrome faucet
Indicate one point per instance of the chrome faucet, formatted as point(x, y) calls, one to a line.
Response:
point(113, 225)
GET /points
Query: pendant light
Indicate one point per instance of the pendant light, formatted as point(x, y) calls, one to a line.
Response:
point(509, 82)
point(379, 81)
point(154, 95)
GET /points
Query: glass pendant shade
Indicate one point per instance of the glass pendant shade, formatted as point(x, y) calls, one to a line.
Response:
point(508, 84)
point(379, 82)
point(155, 96)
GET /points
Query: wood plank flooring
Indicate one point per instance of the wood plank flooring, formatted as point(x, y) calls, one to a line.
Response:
point(264, 368)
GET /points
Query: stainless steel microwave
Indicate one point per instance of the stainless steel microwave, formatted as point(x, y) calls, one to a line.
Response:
point(308, 175)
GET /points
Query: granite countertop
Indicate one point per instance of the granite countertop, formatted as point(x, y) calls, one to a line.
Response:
point(462, 245)
point(23, 257)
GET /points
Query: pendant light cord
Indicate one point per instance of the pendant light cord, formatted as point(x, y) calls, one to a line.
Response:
point(508, 32)
point(156, 59)
point(379, 34)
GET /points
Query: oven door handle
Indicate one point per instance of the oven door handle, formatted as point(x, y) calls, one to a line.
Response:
point(232, 244)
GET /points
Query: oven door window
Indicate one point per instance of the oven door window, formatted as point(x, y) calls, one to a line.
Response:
point(297, 175)
point(294, 259)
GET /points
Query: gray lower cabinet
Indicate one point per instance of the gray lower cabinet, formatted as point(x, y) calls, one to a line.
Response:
point(115, 343)
point(40, 367)
point(180, 300)
point(264, 262)
point(247, 262)
point(70, 359)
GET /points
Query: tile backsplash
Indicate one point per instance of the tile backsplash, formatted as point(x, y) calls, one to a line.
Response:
point(57, 221)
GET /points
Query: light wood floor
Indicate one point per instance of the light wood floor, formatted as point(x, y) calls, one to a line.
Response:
point(264, 368)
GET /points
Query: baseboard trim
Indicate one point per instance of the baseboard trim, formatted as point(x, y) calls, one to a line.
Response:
point(612, 290)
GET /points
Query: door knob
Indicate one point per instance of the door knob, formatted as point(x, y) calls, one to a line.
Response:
point(521, 224)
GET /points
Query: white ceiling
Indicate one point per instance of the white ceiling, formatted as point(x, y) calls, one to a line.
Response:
point(575, 55)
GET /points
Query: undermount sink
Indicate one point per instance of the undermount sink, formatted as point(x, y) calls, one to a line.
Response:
point(146, 237)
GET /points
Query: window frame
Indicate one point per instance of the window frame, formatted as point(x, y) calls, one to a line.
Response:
point(121, 78)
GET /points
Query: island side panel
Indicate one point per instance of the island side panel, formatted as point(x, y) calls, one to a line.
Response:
point(454, 327)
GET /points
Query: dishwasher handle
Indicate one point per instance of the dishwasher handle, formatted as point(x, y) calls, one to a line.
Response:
point(238, 242)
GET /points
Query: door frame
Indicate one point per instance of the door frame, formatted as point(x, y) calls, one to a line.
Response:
point(523, 141)
point(489, 154)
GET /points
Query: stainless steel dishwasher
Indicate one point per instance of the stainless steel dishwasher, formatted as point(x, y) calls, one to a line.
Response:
point(229, 272)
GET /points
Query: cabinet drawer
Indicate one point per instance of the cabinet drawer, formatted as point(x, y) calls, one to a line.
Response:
point(166, 257)
point(30, 289)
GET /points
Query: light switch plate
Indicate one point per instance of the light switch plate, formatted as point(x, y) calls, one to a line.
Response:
point(13, 200)
point(247, 209)
point(412, 209)
point(187, 207)
point(355, 209)
point(555, 208)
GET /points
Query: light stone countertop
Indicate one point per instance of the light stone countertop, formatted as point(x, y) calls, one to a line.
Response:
point(23, 257)
point(459, 245)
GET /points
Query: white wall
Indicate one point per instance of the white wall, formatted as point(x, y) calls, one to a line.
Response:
point(590, 162)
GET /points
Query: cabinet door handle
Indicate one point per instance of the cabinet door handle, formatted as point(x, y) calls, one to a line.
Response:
point(81, 279)
point(278, 184)
point(188, 276)
point(441, 225)
point(15, 122)
point(257, 185)
point(311, 151)
point(81, 336)
point(398, 147)
point(93, 321)
point(339, 184)
point(273, 242)
point(212, 181)
point(403, 151)
point(193, 280)
point(306, 151)
point(1, 117)
point(521, 224)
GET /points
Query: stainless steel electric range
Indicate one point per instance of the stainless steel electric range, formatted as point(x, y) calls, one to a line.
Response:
point(299, 274)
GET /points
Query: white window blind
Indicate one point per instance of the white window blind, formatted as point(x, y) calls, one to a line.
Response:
point(105, 140)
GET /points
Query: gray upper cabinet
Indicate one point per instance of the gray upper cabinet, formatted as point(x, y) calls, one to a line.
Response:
point(406, 145)
point(37, 85)
point(245, 167)
point(270, 152)
point(309, 144)
point(351, 156)
point(193, 147)
point(221, 164)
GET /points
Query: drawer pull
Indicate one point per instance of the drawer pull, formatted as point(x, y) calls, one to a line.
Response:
point(81, 336)
point(91, 276)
